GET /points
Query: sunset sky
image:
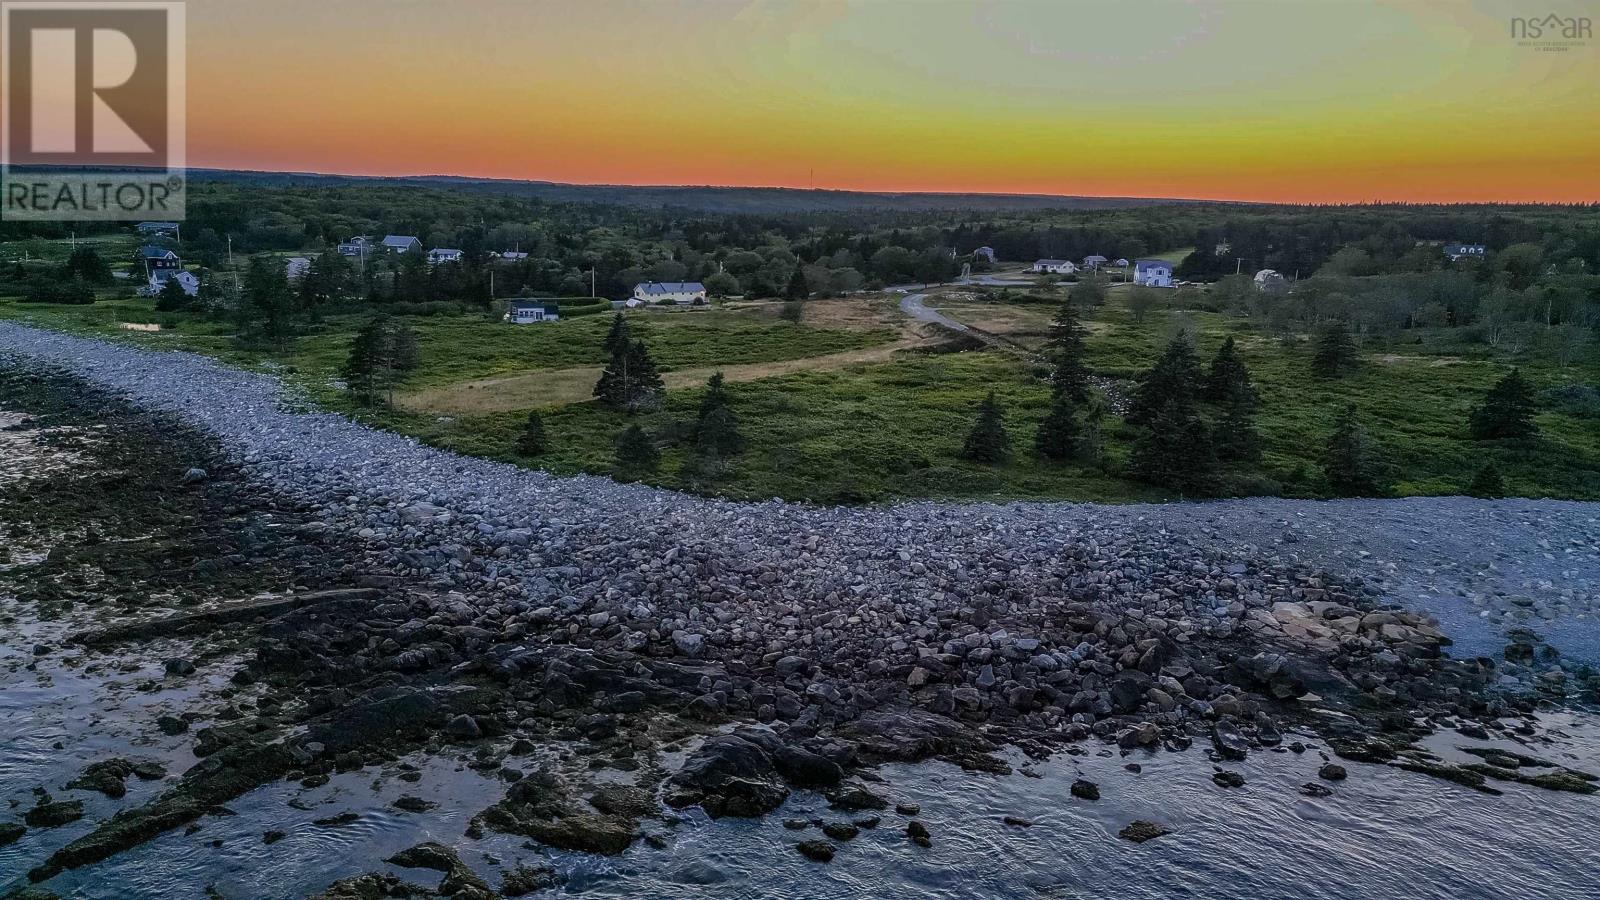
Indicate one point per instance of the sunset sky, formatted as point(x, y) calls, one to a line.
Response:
point(1289, 100)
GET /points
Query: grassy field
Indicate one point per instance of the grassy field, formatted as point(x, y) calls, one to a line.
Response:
point(854, 406)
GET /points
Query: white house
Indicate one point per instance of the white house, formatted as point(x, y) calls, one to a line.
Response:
point(160, 277)
point(986, 253)
point(443, 255)
point(513, 255)
point(401, 243)
point(1465, 251)
point(1093, 262)
point(530, 312)
point(1152, 272)
point(1269, 279)
point(683, 293)
point(1055, 266)
point(296, 267)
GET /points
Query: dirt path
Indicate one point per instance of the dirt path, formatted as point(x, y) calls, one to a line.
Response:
point(558, 387)
point(920, 327)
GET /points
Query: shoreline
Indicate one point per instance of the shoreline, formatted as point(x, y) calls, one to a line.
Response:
point(1127, 639)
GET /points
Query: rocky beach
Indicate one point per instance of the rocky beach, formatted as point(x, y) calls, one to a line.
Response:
point(281, 597)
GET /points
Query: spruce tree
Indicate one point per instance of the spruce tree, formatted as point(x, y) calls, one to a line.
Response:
point(716, 395)
point(533, 440)
point(618, 338)
point(1228, 381)
point(381, 353)
point(1506, 411)
point(1065, 351)
point(988, 441)
point(630, 381)
point(645, 387)
point(635, 451)
point(1336, 352)
point(1487, 483)
point(797, 289)
point(1234, 438)
point(1228, 385)
point(172, 297)
point(718, 435)
point(1059, 437)
point(1350, 462)
point(1175, 450)
point(1175, 378)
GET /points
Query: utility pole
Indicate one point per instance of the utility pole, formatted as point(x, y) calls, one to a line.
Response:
point(230, 251)
point(591, 282)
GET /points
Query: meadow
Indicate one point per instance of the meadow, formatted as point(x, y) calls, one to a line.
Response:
point(855, 404)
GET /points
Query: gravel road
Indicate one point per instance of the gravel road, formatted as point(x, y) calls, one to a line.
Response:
point(494, 531)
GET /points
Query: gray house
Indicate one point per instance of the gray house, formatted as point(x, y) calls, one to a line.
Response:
point(401, 243)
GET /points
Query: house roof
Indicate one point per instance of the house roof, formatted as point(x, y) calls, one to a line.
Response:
point(1052, 262)
point(1094, 258)
point(514, 254)
point(157, 226)
point(669, 287)
point(151, 251)
point(535, 304)
point(1151, 264)
point(443, 251)
point(400, 240)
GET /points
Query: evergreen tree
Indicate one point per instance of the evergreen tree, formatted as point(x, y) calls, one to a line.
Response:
point(172, 296)
point(86, 265)
point(533, 440)
point(1058, 435)
point(1235, 438)
point(797, 289)
point(635, 451)
point(1487, 483)
point(269, 304)
point(630, 381)
point(1065, 351)
point(381, 353)
point(209, 299)
point(1506, 411)
point(716, 395)
point(1175, 378)
point(1228, 381)
point(618, 338)
point(645, 387)
point(1228, 385)
point(718, 434)
point(1336, 352)
point(988, 441)
point(1350, 462)
point(1175, 450)
point(330, 278)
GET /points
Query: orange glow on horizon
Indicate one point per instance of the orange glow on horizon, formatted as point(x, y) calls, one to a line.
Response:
point(1288, 102)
